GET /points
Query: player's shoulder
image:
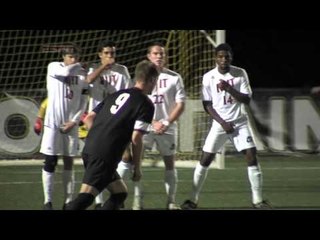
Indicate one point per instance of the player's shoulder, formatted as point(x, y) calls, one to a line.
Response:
point(119, 68)
point(170, 73)
point(237, 71)
point(55, 64)
point(210, 73)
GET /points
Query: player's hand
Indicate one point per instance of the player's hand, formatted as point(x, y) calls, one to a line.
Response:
point(107, 62)
point(83, 116)
point(66, 127)
point(158, 127)
point(37, 127)
point(137, 174)
point(228, 127)
point(224, 86)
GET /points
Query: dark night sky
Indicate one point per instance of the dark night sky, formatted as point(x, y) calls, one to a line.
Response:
point(273, 58)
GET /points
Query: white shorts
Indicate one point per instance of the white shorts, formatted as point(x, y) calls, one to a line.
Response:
point(56, 143)
point(241, 137)
point(166, 143)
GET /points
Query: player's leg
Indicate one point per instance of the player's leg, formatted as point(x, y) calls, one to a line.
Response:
point(68, 179)
point(166, 144)
point(137, 204)
point(124, 166)
point(92, 184)
point(213, 143)
point(49, 143)
point(48, 172)
point(118, 194)
point(244, 143)
point(70, 149)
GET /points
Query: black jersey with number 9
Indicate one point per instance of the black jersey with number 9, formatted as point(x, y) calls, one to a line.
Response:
point(117, 117)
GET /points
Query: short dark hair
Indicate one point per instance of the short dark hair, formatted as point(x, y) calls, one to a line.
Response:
point(106, 43)
point(70, 48)
point(224, 47)
point(146, 71)
point(154, 44)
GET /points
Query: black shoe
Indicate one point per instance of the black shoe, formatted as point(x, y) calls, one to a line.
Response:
point(122, 206)
point(48, 206)
point(262, 205)
point(66, 206)
point(188, 205)
point(98, 206)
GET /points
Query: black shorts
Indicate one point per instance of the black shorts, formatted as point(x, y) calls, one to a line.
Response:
point(99, 172)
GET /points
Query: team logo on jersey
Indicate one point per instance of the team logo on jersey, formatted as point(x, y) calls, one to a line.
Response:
point(249, 139)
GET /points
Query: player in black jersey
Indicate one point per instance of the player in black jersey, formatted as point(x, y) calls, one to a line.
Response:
point(122, 117)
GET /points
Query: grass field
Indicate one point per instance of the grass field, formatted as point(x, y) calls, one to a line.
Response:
point(290, 182)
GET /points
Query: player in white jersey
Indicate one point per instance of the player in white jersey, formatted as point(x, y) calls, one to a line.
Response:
point(224, 89)
point(67, 99)
point(168, 98)
point(105, 78)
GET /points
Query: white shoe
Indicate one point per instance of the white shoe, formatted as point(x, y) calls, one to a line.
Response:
point(137, 203)
point(173, 206)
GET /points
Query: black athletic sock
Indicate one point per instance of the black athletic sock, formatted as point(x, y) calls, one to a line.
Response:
point(82, 202)
point(115, 201)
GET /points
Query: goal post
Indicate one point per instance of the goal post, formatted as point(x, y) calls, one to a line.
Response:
point(26, 54)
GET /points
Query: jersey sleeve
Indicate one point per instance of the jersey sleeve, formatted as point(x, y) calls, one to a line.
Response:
point(245, 84)
point(181, 94)
point(98, 108)
point(206, 90)
point(145, 117)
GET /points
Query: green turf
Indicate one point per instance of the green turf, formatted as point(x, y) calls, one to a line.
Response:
point(289, 183)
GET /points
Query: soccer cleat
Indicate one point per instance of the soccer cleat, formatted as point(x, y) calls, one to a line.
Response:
point(173, 206)
point(98, 206)
point(137, 203)
point(47, 206)
point(65, 206)
point(188, 205)
point(262, 205)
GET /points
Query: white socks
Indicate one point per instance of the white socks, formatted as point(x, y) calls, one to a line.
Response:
point(48, 184)
point(199, 176)
point(255, 178)
point(68, 185)
point(170, 183)
point(124, 169)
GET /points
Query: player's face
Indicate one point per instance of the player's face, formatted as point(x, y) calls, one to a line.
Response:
point(223, 60)
point(157, 56)
point(69, 59)
point(107, 53)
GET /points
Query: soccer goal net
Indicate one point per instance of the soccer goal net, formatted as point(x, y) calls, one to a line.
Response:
point(25, 55)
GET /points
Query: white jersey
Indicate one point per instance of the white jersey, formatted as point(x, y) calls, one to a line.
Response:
point(109, 81)
point(65, 85)
point(226, 106)
point(168, 91)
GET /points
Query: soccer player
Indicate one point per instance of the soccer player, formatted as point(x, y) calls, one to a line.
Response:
point(122, 117)
point(168, 98)
point(105, 78)
point(67, 99)
point(224, 89)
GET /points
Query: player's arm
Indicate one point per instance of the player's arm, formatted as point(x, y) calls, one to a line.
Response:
point(88, 120)
point(106, 64)
point(227, 126)
point(76, 118)
point(163, 125)
point(240, 97)
point(137, 146)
